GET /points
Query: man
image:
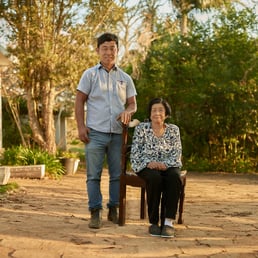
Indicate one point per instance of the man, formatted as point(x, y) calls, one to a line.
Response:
point(110, 96)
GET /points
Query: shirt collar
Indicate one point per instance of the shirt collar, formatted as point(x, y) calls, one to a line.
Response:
point(99, 65)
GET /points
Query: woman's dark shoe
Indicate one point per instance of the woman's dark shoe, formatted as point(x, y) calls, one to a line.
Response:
point(154, 230)
point(167, 231)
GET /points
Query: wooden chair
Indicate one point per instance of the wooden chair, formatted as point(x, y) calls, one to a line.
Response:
point(131, 179)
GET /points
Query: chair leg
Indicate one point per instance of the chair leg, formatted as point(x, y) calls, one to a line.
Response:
point(181, 205)
point(122, 204)
point(143, 204)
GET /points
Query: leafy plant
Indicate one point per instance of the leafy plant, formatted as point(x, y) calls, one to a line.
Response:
point(21, 156)
point(68, 154)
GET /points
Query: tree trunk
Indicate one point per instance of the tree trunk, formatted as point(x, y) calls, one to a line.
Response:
point(48, 98)
point(42, 118)
point(184, 25)
point(37, 133)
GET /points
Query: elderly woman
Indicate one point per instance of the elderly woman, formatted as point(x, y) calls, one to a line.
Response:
point(156, 157)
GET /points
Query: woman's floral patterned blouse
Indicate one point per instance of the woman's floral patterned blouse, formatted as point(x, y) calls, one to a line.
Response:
point(147, 147)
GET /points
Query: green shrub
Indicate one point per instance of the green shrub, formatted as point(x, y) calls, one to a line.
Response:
point(231, 164)
point(21, 156)
point(197, 164)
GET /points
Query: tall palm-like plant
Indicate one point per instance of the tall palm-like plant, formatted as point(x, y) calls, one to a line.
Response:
point(185, 6)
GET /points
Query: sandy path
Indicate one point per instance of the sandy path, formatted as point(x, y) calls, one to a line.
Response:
point(49, 218)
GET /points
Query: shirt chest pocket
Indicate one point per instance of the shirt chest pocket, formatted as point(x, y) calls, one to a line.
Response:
point(121, 91)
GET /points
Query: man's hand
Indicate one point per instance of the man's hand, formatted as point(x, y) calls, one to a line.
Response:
point(125, 117)
point(83, 134)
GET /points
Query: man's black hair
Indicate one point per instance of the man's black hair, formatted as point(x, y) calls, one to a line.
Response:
point(107, 37)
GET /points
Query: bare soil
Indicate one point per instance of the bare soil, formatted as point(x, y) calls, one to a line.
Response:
point(49, 219)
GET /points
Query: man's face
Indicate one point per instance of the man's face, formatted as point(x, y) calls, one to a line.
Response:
point(108, 53)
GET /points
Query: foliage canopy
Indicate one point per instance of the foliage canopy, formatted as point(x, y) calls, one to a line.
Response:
point(210, 79)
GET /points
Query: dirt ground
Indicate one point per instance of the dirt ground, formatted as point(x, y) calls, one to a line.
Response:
point(49, 218)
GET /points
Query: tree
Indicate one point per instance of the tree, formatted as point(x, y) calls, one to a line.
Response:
point(210, 79)
point(52, 45)
point(127, 35)
point(184, 7)
point(137, 31)
point(232, 56)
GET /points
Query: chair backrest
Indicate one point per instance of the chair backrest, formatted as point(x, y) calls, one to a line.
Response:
point(125, 147)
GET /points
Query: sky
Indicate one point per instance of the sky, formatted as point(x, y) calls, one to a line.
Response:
point(166, 9)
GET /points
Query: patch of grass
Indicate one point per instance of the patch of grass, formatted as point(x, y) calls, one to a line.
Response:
point(8, 187)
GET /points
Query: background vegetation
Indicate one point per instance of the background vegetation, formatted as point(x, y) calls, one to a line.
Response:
point(22, 156)
point(206, 69)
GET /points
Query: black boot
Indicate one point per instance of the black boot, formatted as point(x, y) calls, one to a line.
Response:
point(95, 220)
point(112, 215)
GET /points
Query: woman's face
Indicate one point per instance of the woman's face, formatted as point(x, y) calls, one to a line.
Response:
point(158, 113)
